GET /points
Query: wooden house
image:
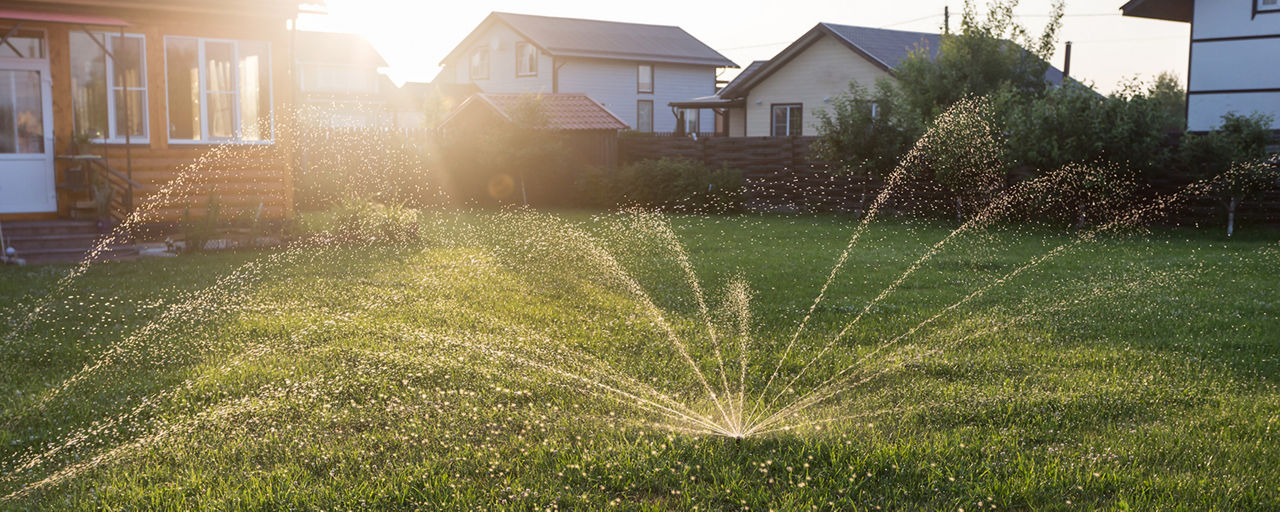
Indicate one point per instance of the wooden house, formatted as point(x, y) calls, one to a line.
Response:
point(107, 106)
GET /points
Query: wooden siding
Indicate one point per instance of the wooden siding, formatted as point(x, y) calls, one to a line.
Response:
point(821, 71)
point(241, 174)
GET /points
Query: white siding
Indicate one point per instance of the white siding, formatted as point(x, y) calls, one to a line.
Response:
point(613, 84)
point(737, 122)
point(1226, 65)
point(1235, 65)
point(501, 41)
point(1204, 111)
point(1231, 18)
point(821, 71)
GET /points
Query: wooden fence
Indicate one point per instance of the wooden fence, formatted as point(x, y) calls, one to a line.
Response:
point(782, 174)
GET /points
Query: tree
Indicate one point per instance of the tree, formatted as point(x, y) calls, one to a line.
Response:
point(965, 151)
point(1231, 158)
point(865, 134)
point(1171, 98)
point(985, 56)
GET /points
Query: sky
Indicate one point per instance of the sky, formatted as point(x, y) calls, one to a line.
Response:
point(414, 35)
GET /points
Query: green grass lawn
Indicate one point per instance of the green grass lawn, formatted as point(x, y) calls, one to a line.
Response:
point(469, 371)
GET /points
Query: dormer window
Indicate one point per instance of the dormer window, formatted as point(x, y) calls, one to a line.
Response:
point(1265, 6)
point(526, 59)
point(480, 64)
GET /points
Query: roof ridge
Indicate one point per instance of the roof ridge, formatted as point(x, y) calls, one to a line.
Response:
point(543, 16)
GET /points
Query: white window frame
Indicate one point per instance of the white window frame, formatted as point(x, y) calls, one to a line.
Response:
point(773, 124)
point(114, 136)
point(519, 46)
point(488, 64)
point(235, 80)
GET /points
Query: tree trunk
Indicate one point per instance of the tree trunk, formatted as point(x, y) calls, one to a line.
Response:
point(1231, 215)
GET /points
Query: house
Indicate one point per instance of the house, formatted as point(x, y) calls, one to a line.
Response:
point(631, 69)
point(111, 101)
point(583, 133)
point(340, 82)
point(1234, 47)
point(781, 96)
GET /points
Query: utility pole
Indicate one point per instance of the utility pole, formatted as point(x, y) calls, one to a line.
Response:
point(946, 19)
point(1066, 66)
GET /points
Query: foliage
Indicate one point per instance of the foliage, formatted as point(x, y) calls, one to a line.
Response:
point(964, 150)
point(1231, 158)
point(338, 165)
point(1167, 92)
point(673, 184)
point(365, 222)
point(1073, 124)
point(986, 56)
point(507, 161)
point(856, 139)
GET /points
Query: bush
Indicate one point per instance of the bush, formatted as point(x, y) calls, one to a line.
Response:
point(362, 222)
point(669, 184)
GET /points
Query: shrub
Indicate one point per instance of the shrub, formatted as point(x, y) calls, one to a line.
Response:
point(865, 135)
point(669, 184)
point(1231, 158)
point(363, 222)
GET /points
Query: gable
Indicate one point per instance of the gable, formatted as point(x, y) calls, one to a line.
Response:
point(569, 37)
point(823, 69)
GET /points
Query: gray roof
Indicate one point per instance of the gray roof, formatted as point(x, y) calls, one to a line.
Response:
point(883, 47)
point(570, 37)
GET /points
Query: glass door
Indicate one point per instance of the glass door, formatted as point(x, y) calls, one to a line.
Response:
point(26, 138)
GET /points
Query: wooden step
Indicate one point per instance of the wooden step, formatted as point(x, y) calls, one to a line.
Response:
point(61, 241)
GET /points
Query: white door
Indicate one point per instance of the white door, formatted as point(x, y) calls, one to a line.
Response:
point(26, 138)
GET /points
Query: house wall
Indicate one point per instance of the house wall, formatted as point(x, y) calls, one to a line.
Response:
point(821, 71)
point(1230, 74)
point(612, 83)
point(242, 176)
point(501, 41)
point(737, 122)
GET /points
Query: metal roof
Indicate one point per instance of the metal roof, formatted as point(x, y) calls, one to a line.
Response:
point(562, 111)
point(883, 47)
point(1172, 10)
point(571, 37)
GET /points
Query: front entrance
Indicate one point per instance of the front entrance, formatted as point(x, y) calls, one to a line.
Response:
point(26, 137)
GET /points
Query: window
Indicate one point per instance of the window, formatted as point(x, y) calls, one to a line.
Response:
point(690, 117)
point(219, 90)
point(787, 120)
point(526, 59)
point(875, 110)
point(644, 116)
point(1266, 6)
point(22, 44)
point(480, 64)
point(109, 92)
point(644, 78)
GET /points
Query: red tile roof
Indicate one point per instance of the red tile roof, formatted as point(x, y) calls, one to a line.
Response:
point(562, 111)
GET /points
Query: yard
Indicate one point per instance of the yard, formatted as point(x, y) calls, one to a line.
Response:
point(467, 370)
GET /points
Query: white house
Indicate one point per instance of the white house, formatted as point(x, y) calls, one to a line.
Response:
point(631, 69)
point(1235, 55)
point(341, 84)
point(781, 96)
